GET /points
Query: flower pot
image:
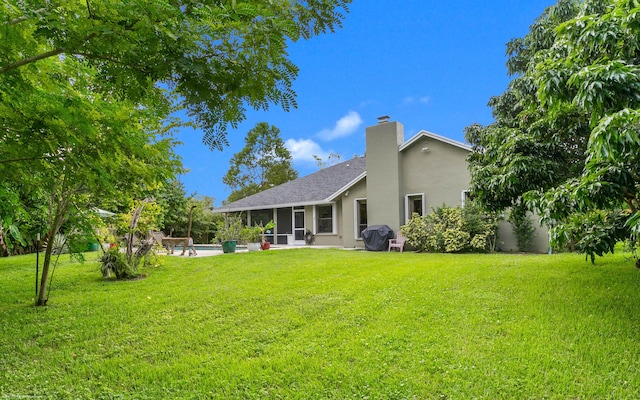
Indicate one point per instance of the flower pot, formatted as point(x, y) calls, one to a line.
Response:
point(229, 246)
point(266, 245)
point(253, 246)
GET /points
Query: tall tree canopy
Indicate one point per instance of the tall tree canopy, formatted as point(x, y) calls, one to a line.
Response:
point(566, 137)
point(215, 56)
point(526, 148)
point(263, 162)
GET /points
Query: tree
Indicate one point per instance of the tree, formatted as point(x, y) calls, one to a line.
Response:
point(21, 216)
point(213, 57)
point(525, 148)
point(92, 147)
point(175, 205)
point(594, 65)
point(263, 162)
point(86, 89)
point(332, 159)
point(204, 220)
point(173, 200)
point(565, 141)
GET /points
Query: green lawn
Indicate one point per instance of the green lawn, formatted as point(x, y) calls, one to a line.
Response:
point(326, 324)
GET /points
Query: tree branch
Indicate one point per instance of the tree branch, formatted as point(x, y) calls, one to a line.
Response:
point(30, 159)
point(42, 56)
point(29, 60)
point(110, 59)
point(89, 10)
point(26, 132)
point(26, 17)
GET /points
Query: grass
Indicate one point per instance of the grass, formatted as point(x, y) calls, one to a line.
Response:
point(326, 324)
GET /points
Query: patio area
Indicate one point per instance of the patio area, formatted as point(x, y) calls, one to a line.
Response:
point(209, 250)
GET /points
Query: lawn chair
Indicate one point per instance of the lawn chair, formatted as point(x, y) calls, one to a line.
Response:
point(397, 243)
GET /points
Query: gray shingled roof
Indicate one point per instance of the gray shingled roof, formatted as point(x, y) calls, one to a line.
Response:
point(319, 187)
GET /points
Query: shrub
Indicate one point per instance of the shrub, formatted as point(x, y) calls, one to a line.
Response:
point(415, 231)
point(59, 244)
point(522, 227)
point(150, 257)
point(482, 226)
point(452, 230)
point(229, 229)
point(115, 261)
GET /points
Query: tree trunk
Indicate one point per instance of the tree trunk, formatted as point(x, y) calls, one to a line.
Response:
point(42, 294)
point(132, 227)
point(59, 212)
point(3, 244)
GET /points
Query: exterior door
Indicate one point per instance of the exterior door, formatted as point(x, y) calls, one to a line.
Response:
point(298, 226)
point(284, 225)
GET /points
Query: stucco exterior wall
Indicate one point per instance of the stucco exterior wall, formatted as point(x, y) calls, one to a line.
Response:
point(326, 239)
point(440, 172)
point(348, 222)
point(507, 240)
point(384, 172)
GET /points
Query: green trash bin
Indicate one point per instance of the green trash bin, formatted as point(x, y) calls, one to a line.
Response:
point(94, 246)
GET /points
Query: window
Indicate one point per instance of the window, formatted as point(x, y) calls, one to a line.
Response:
point(360, 217)
point(261, 217)
point(466, 197)
point(414, 203)
point(324, 216)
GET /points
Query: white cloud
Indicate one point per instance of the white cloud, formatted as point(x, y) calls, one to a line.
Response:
point(345, 126)
point(305, 149)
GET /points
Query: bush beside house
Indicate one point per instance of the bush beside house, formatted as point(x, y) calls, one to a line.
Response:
point(453, 230)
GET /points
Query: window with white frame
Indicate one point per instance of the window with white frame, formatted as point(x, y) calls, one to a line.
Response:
point(360, 213)
point(324, 219)
point(414, 203)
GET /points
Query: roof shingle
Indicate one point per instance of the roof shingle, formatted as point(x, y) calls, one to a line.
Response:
point(316, 188)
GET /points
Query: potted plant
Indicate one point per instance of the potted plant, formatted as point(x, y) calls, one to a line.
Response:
point(264, 244)
point(251, 236)
point(228, 232)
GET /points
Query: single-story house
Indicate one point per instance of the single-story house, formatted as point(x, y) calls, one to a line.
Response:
point(395, 179)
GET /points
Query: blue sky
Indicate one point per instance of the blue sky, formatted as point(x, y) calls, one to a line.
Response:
point(429, 65)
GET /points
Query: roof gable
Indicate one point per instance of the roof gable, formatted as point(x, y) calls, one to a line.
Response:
point(431, 135)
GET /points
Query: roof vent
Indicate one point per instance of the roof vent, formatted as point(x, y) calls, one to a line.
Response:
point(383, 119)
